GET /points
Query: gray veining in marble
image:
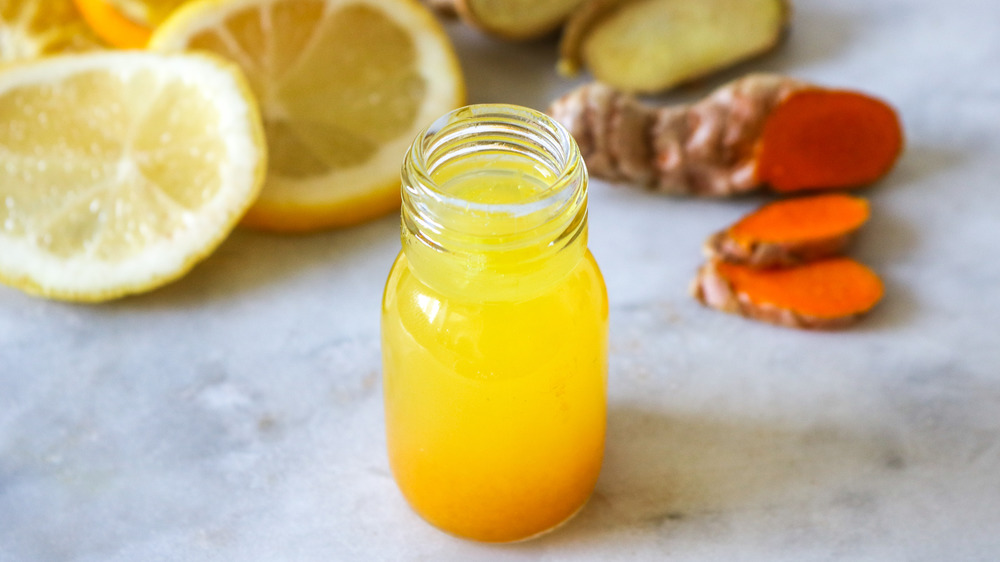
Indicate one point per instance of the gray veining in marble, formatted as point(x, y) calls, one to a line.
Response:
point(236, 414)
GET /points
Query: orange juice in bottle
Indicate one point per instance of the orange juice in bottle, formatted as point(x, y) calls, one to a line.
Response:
point(494, 328)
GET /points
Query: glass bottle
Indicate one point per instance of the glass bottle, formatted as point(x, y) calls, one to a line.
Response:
point(494, 328)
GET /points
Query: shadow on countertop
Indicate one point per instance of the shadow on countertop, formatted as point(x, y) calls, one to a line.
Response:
point(250, 261)
point(663, 472)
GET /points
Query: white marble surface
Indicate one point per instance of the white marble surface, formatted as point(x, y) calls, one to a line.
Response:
point(236, 414)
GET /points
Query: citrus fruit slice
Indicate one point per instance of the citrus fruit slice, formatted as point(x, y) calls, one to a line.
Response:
point(126, 23)
point(150, 13)
point(344, 86)
point(34, 28)
point(120, 170)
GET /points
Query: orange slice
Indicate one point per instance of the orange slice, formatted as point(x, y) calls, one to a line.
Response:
point(30, 29)
point(126, 23)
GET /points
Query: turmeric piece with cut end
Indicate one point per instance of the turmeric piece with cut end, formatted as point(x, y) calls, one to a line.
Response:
point(790, 232)
point(759, 131)
point(825, 294)
point(827, 138)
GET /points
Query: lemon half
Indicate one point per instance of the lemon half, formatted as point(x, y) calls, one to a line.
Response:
point(344, 86)
point(120, 170)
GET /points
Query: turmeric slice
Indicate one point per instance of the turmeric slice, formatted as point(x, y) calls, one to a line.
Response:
point(790, 232)
point(825, 294)
point(762, 130)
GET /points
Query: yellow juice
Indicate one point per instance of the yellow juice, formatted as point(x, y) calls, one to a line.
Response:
point(494, 329)
point(495, 409)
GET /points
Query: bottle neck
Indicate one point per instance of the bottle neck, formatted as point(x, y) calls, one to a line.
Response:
point(494, 203)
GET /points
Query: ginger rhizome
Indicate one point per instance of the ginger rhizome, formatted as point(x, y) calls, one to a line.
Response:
point(513, 20)
point(791, 231)
point(762, 130)
point(653, 45)
point(825, 294)
point(643, 46)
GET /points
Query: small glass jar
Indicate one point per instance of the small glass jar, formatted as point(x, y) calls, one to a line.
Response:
point(494, 328)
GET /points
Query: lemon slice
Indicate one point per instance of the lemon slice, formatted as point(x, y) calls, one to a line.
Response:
point(126, 23)
point(120, 170)
point(344, 86)
point(34, 28)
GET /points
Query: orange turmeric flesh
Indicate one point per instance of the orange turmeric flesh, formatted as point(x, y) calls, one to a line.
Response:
point(828, 288)
point(822, 139)
point(829, 293)
point(792, 231)
point(759, 131)
point(803, 218)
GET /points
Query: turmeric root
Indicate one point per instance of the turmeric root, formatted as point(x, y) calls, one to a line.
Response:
point(825, 294)
point(760, 130)
point(514, 20)
point(652, 45)
point(790, 232)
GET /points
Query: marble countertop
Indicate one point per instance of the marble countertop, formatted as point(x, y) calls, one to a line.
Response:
point(236, 414)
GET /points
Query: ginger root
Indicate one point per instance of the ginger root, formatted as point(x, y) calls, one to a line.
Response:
point(760, 130)
point(825, 294)
point(513, 20)
point(445, 8)
point(652, 45)
point(790, 232)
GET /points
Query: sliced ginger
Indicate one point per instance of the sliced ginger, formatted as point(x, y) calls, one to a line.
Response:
point(824, 294)
point(653, 45)
point(791, 232)
point(514, 20)
point(761, 130)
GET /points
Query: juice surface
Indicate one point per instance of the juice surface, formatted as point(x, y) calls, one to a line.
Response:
point(495, 366)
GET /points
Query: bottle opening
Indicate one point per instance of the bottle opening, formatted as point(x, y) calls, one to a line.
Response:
point(494, 190)
point(491, 171)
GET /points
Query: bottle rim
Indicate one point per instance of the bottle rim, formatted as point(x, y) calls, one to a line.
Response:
point(547, 140)
point(518, 244)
